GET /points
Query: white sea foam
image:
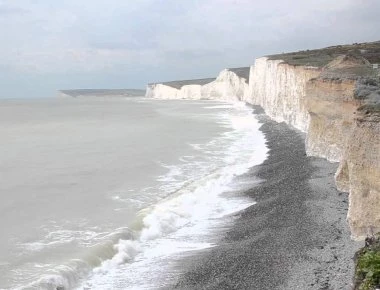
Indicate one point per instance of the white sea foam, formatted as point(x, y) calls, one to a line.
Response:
point(181, 222)
point(197, 146)
point(189, 205)
point(229, 106)
point(60, 237)
point(174, 172)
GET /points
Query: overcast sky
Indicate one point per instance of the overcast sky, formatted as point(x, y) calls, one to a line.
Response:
point(47, 45)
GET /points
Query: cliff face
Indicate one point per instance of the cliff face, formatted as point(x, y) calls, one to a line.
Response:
point(327, 104)
point(280, 89)
point(227, 86)
point(337, 105)
point(359, 173)
point(331, 105)
point(161, 91)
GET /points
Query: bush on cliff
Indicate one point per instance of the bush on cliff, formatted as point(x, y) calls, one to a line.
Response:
point(368, 266)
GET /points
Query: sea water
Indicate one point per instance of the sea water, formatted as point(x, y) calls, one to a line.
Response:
point(108, 193)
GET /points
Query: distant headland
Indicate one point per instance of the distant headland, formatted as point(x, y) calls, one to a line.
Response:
point(76, 93)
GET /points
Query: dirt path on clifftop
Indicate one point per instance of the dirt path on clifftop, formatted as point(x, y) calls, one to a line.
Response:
point(295, 237)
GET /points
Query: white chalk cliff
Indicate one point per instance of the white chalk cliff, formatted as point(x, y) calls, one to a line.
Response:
point(323, 106)
point(227, 86)
point(280, 89)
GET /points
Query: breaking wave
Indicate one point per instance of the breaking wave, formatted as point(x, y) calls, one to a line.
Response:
point(198, 196)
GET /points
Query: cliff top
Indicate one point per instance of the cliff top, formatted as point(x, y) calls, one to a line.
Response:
point(104, 92)
point(321, 57)
point(357, 68)
point(242, 72)
point(181, 83)
point(346, 61)
point(348, 66)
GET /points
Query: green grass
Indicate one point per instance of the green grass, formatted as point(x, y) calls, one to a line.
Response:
point(321, 57)
point(367, 272)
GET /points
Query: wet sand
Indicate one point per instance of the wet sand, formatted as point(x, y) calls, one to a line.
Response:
point(295, 237)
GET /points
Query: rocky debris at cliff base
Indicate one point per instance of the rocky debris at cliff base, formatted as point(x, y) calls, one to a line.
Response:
point(295, 237)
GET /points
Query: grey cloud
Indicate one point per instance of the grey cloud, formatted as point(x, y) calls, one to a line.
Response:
point(122, 45)
point(190, 54)
point(10, 11)
point(150, 40)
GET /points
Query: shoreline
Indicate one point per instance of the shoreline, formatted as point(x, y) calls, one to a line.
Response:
point(295, 237)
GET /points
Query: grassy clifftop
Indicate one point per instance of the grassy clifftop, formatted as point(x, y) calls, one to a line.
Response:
point(321, 57)
point(179, 84)
point(242, 72)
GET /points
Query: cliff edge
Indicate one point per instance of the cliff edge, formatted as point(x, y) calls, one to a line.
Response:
point(230, 84)
point(331, 94)
point(335, 99)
